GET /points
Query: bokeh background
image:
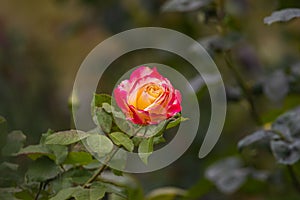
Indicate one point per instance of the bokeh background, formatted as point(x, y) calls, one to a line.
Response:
point(43, 43)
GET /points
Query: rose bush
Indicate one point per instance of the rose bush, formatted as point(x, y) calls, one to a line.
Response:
point(147, 97)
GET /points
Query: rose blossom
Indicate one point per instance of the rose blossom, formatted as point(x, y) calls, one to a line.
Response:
point(147, 97)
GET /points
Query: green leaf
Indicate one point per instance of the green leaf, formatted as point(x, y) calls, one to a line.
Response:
point(119, 160)
point(99, 99)
point(24, 195)
point(153, 130)
point(176, 122)
point(95, 164)
point(65, 194)
point(71, 177)
point(117, 172)
point(9, 175)
point(45, 135)
point(167, 193)
point(60, 152)
point(184, 5)
point(158, 139)
point(41, 170)
point(104, 120)
point(6, 196)
point(94, 193)
point(133, 188)
point(81, 194)
point(99, 144)
point(78, 158)
point(114, 189)
point(35, 151)
point(120, 138)
point(137, 140)
point(122, 123)
point(145, 149)
point(283, 15)
point(80, 176)
point(261, 135)
point(14, 142)
point(66, 137)
point(107, 107)
point(60, 183)
point(100, 117)
point(148, 131)
point(115, 197)
point(10, 166)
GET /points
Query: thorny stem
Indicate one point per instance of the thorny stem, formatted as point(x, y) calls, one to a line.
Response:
point(244, 87)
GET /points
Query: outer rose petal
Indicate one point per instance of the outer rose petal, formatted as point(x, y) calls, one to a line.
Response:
point(144, 71)
point(173, 109)
point(139, 73)
point(178, 95)
point(175, 104)
point(121, 95)
point(149, 77)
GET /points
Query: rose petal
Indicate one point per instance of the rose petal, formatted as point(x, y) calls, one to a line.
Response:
point(121, 95)
point(156, 118)
point(144, 71)
point(178, 95)
point(174, 109)
point(138, 116)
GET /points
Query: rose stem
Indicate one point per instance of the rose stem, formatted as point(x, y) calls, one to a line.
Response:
point(102, 168)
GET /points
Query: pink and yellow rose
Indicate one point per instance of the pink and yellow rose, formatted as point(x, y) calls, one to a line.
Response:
point(147, 97)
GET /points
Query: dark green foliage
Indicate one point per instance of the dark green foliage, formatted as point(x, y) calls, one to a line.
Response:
point(61, 167)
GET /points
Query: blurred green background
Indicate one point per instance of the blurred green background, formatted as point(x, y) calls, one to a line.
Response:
point(42, 44)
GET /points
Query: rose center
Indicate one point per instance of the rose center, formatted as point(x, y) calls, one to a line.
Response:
point(154, 90)
point(147, 95)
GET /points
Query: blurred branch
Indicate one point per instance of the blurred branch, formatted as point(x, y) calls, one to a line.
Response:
point(294, 178)
point(246, 90)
